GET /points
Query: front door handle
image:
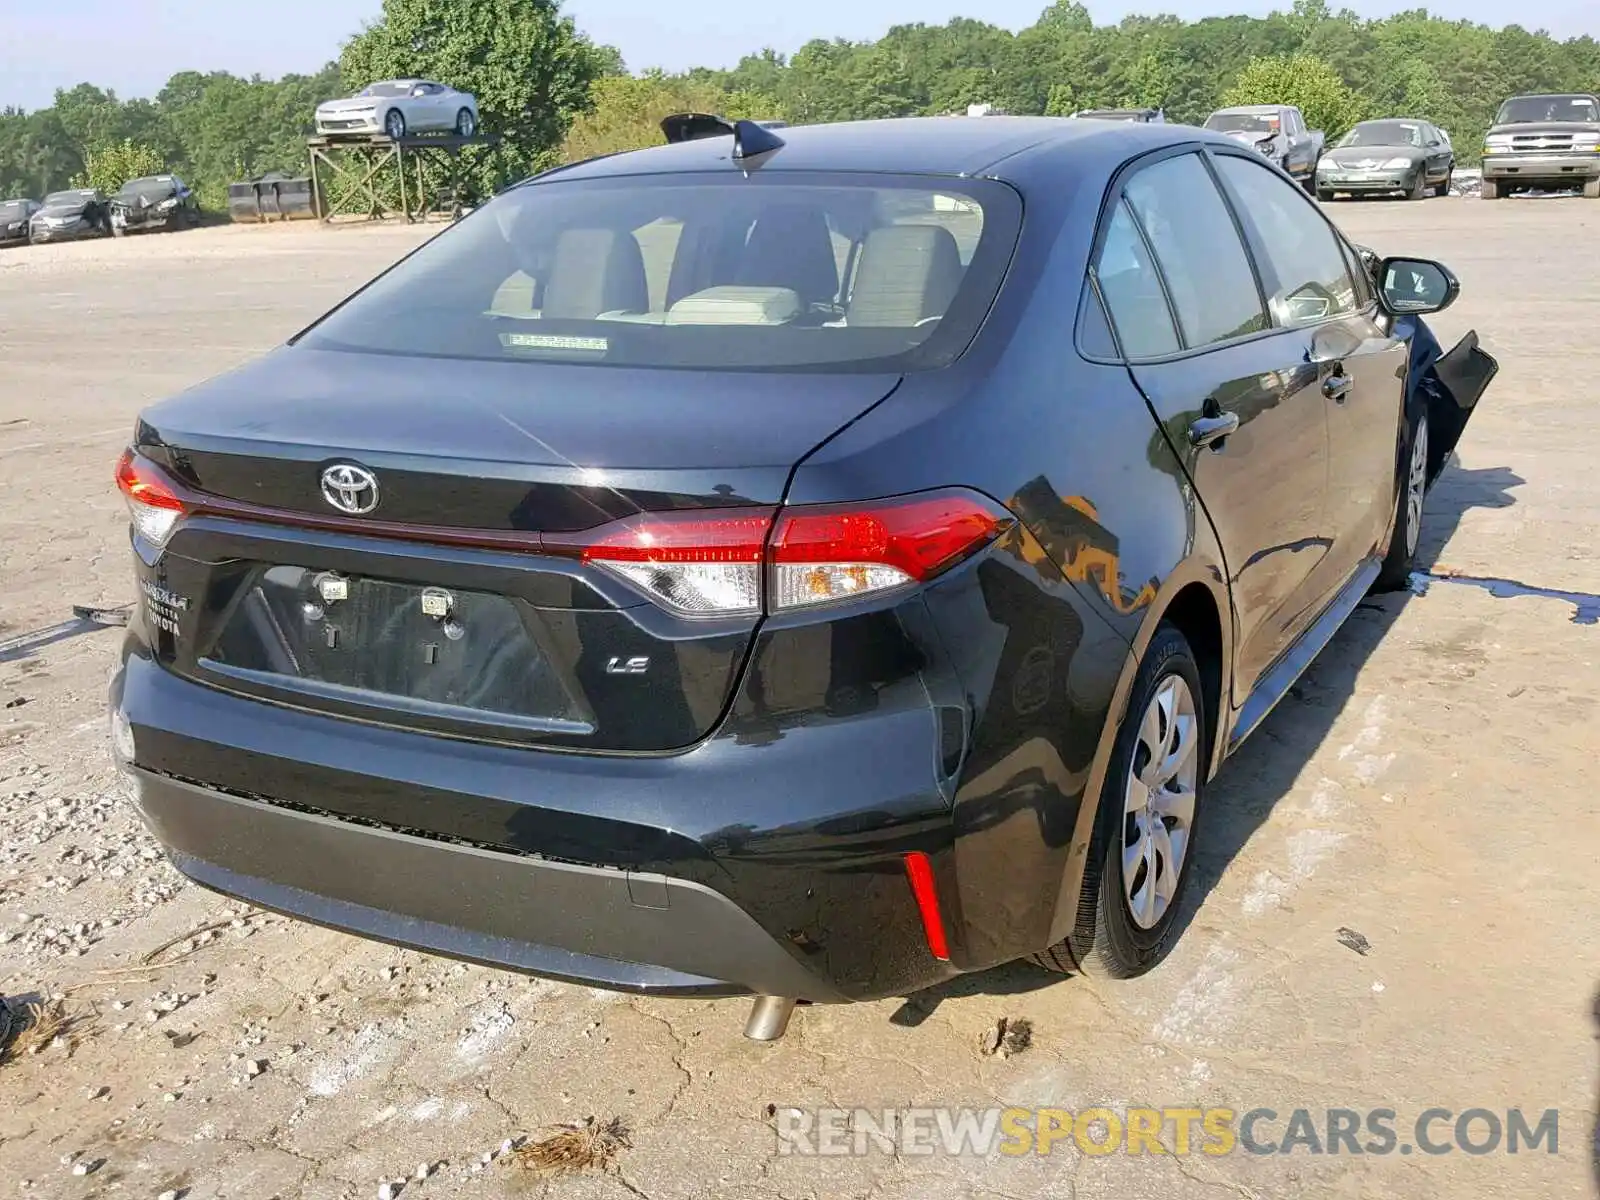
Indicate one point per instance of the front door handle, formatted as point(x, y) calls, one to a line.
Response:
point(1210, 430)
point(1337, 388)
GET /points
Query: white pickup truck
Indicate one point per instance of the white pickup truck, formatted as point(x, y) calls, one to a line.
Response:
point(1277, 132)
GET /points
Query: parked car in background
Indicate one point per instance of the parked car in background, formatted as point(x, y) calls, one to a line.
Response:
point(1399, 156)
point(1543, 142)
point(14, 217)
point(154, 202)
point(65, 216)
point(1144, 116)
point(708, 640)
point(398, 107)
point(1277, 132)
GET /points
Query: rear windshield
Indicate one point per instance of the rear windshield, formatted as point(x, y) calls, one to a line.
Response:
point(1243, 122)
point(774, 271)
point(1384, 133)
point(1521, 110)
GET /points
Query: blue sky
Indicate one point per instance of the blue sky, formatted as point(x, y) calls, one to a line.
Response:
point(133, 46)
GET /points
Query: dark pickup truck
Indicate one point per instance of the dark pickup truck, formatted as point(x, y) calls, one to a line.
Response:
point(1540, 142)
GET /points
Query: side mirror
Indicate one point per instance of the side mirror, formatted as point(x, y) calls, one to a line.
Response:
point(1412, 286)
point(419, 91)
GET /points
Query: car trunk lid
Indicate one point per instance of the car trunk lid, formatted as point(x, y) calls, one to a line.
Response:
point(457, 603)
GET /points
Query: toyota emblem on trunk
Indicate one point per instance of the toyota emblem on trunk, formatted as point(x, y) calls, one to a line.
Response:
point(349, 488)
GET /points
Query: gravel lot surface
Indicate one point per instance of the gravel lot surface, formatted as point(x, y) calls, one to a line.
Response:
point(1424, 787)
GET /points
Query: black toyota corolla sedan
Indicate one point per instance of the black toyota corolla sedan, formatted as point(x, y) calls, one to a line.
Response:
point(808, 563)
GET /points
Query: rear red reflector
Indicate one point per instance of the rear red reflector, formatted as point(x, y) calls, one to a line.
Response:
point(920, 872)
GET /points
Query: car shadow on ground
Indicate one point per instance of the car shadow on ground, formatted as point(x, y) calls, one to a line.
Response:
point(1250, 785)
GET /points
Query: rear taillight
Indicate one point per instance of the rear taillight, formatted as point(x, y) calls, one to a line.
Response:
point(697, 564)
point(823, 554)
point(152, 505)
point(701, 564)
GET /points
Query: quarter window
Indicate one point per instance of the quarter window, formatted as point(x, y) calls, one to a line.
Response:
point(1198, 249)
point(1304, 270)
point(1132, 290)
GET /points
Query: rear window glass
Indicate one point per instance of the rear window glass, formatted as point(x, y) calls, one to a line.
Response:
point(11, 210)
point(778, 271)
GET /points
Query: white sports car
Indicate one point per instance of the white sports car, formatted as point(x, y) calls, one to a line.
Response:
point(398, 107)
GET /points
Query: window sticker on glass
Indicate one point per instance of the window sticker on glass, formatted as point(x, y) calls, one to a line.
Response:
point(554, 342)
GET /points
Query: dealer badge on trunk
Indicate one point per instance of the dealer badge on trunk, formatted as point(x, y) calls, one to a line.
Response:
point(350, 489)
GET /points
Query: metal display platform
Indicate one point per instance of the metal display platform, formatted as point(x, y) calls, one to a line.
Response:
point(376, 176)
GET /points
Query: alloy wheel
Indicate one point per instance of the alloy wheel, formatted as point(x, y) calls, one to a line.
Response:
point(1416, 485)
point(1158, 816)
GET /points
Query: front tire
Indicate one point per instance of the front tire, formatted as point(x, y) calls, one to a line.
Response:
point(394, 124)
point(1419, 185)
point(1591, 190)
point(466, 123)
point(1325, 195)
point(1491, 189)
point(1142, 857)
point(1412, 492)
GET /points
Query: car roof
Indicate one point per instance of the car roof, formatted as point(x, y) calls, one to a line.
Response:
point(1251, 108)
point(1017, 149)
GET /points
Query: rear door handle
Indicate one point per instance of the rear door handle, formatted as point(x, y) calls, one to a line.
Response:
point(1337, 388)
point(1208, 431)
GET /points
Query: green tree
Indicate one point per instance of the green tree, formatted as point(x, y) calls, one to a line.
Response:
point(106, 168)
point(625, 112)
point(527, 65)
point(1326, 101)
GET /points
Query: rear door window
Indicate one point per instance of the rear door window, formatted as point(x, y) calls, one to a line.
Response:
point(776, 271)
point(1197, 247)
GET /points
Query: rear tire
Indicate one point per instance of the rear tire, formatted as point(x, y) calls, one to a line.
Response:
point(1411, 492)
point(1444, 187)
point(1491, 190)
point(1125, 926)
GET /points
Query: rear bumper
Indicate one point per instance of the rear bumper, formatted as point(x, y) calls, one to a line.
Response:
point(606, 927)
point(743, 865)
point(1540, 168)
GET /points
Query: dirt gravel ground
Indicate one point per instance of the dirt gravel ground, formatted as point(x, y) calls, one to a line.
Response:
point(1424, 787)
